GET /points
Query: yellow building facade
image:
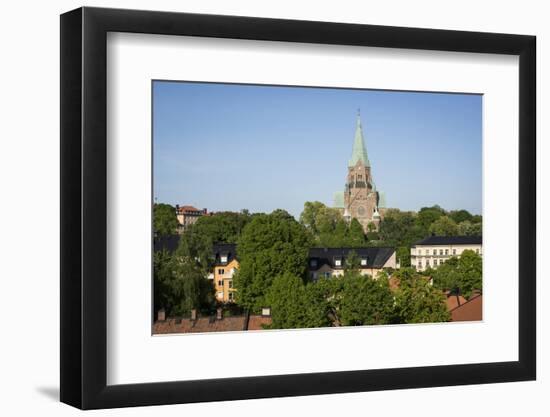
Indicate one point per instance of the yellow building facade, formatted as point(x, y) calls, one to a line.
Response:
point(225, 266)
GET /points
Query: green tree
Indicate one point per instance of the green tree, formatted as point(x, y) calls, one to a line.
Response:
point(318, 218)
point(417, 301)
point(464, 274)
point(180, 284)
point(428, 215)
point(365, 301)
point(196, 246)
point(270, 245)
point(223, 227)
point(329, 229)
point(356, 236)
point(444, 226)
point(352, 262)
point(467, 228)
point(295, 305)
point(165, 221)
point(403, 254)
point(459, 216)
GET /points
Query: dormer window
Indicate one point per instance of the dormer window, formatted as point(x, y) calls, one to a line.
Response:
point(223, 259)
point(363, 261)
point(313, 263)
point(338, 262)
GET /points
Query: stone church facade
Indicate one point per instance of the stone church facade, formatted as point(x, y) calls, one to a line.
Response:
point(360, 199)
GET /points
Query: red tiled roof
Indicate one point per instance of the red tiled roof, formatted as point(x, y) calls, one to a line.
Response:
point(471, 310)
point(210, 324)
point(183, 209)
point(453, 301)
point(201, 325)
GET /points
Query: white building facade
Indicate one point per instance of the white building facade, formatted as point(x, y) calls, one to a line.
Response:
point(435, 250)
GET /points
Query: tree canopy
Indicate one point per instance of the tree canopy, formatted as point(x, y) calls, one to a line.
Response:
point(270, 245)
point(165, 221)
point(365, 300)
point(180, 284)
point(328, 227)
point(444, 226)
point(417, 301)
point(223, 227)
point(296, 305)
point(460, 274)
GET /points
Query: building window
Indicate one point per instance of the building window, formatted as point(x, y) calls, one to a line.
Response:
point(427, 262)
point(224, 259)
point(454, 251)
point(435, 262)
point(230, 284)
point(441, 251)
point(419, 263)
point(364, 261)
point(327, 274)
point(435, 251)
point(313, 263)
point(230, 296)
point(359, 177)
point(220, 283)
point(221, 271)
point(477, 251)
point(446, 251)
point(338, 262)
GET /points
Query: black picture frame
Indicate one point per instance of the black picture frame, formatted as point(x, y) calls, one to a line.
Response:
point(84, 207)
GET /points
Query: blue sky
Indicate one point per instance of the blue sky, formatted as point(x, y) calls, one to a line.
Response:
point(230, 147)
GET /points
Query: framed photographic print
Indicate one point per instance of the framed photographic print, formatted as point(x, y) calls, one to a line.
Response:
point(244, 200)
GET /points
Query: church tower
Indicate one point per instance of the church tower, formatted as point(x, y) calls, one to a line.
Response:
point(360, 195)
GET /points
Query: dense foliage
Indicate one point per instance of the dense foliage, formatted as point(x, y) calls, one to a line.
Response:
point(296, 305)
point(273, 251)
point(164, 219)
point(180, 284)
point(270, 245)
point(223, 227)
point(460, 275)
point(329, 229)
point(418, 301)
point(365, 301)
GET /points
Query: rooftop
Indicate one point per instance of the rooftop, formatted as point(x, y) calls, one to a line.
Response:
point(471, 310)
point(228, 250)
point(210, 324)
point(187, 209)
point(376, 256)
point(450, 240)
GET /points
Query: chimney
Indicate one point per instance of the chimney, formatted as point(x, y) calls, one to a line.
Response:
point(161, 315)
point(219, 313)
point(194, 314)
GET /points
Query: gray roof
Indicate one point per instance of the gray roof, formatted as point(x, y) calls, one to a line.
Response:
point(224, 249)
point(376, 257)
point(167, 243)
point(450, 240)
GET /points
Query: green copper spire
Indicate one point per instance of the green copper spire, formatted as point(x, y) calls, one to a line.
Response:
point(359, 152)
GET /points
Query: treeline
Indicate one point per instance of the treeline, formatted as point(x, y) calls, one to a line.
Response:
point(401, 229)
point(355, 300)
point(273, 251)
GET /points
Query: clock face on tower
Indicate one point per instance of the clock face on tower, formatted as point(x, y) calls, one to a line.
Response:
point(361, 211)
